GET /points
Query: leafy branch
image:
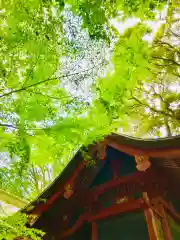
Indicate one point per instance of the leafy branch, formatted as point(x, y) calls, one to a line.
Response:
point(151, 108)
point(173, 62)
point(44, 81)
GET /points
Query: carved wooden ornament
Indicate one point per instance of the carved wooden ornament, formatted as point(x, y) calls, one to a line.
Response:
point(122, 200)
point(68, 191)
point(142, 162)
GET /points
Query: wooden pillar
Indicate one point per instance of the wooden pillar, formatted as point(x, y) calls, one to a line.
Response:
point(94, 231)
point(165, 224)
point(150, 219)
point(150, 224)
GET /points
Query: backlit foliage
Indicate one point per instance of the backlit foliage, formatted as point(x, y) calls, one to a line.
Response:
point(14, 226)
point(50, 52)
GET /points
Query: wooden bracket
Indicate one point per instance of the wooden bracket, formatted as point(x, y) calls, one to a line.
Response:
point(142, 162)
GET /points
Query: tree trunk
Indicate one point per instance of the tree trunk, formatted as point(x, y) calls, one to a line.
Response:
point(12, 200)
point(168, 129)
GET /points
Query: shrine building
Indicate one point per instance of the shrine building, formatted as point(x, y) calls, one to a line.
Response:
point(128, 189)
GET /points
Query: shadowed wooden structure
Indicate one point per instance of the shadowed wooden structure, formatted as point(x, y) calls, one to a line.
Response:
point(130, 191)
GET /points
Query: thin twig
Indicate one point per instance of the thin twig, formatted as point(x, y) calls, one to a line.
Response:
point(44, 95)
point(168, 60)
point(151, 108)
point(8, 125)
point(42, 82)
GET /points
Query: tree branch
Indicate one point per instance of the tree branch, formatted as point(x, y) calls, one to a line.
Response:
point(164, 43)
point(175, 34)
point(7, 125)
point(151, 108)
point(15, 127)
point(44, 95)
point(162, 100)
point(168, 46)
point(168, 129)
point(42, 82)
point(176, 74)
point(34, 176)
point(168, 60)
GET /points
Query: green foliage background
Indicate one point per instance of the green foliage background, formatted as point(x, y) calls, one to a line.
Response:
point(68, 78)
point(14, 226)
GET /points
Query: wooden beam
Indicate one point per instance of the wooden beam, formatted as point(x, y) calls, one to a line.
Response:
point(75, 227)
point(132, 205)
point(155, 153)
point(69, 181)
point(133, 177)
point(116, 209)
point(170, 209)
point(43, 207)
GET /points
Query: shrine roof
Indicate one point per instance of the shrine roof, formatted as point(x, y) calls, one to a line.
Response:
point(164, 148)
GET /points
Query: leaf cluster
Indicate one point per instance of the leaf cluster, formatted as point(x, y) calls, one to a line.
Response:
point(14, 226)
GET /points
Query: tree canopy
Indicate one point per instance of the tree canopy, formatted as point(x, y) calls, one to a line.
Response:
point(154, 104)
point(68, 78)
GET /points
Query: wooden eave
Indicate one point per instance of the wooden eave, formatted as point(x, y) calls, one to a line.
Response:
point(168, 148)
